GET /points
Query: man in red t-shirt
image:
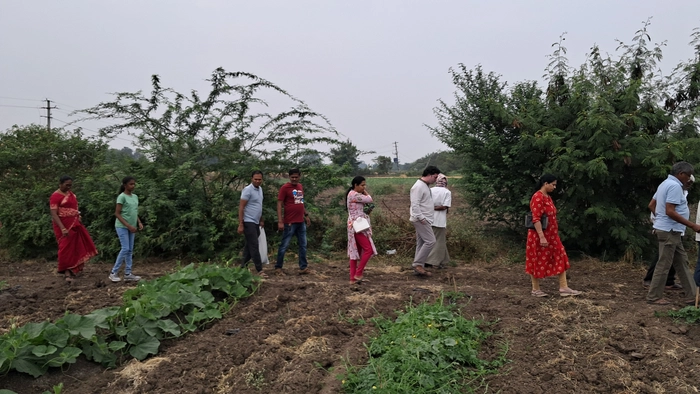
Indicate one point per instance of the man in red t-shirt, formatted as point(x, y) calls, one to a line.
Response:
point(294, 221)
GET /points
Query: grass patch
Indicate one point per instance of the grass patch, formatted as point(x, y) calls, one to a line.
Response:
point(429, 348)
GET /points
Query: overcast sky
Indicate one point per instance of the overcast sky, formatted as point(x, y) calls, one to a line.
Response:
point(375, 68)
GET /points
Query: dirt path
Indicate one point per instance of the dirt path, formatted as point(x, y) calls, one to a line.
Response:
point(295, 333)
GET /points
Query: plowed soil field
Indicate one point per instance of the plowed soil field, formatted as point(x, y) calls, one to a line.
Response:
point(296, 333)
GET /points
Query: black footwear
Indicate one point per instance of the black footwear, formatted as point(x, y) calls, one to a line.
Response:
point(420, 271)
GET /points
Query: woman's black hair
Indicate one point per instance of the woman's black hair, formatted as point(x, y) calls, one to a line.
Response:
point(124, 182)
point(64, 179)
point(546, 178)
point(355, 181)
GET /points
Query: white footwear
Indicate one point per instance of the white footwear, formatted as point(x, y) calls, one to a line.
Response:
point(114, 277)
point(132, 278)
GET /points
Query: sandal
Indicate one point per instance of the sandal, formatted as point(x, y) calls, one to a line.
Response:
point(660, 301)
point(420, 271)
point(567, 291)
point(69, 279)
point(263, 275)
point(539, 293)
point(360, 279)
point(674, 286)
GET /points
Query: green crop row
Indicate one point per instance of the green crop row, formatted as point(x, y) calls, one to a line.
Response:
point(163, 308)
point(430, 348)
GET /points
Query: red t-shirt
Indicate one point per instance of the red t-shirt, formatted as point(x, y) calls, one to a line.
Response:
point(292, 197)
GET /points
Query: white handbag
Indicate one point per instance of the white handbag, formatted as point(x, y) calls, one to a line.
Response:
point(360, 224)
point(262, 246)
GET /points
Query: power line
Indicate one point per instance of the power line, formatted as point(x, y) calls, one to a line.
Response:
point(17, 106)
point(20, 99)
point(65, 105)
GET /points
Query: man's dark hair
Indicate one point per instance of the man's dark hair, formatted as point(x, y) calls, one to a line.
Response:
point(431, 170)
point(255, 173)
point(682, 166)
point(294, 171)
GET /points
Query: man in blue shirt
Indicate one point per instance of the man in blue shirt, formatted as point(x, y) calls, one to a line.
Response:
point(250, 220)
point(672, 214)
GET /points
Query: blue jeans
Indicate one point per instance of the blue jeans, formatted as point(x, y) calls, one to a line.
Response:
point(290, 229)
point(126, 238)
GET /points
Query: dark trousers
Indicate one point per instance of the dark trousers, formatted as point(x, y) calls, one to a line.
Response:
point(670, 279)
point(251, 231)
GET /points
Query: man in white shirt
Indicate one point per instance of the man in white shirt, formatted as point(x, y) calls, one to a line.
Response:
point(422, 209)
point(442, 199)
point(672, 214)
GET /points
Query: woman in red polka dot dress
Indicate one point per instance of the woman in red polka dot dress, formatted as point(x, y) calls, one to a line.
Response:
point(545, 254)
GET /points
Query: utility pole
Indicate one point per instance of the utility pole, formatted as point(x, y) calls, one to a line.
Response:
point(48, 114)
point(396, 154)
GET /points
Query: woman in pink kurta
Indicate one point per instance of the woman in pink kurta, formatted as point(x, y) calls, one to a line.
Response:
point(544, 254)
point(360, 245)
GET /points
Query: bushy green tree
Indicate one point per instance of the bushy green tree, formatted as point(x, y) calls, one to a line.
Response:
point(202, 150)
point(382, 164)
point(610, 130)
point(446, 161)
point(32, 160)
point(345, 154)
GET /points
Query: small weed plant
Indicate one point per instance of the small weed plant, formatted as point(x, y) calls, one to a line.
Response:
point(429, 348)
point(690, 314)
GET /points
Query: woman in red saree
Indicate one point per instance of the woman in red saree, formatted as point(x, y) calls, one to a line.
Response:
point(75, 247)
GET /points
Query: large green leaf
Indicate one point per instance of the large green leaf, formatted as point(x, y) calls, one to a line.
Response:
point(28, 367)
point(78, 325)
point(142, 344)
point(67, 356)
point(170, 327)
point(56, 336)
point(33, 330)
point(43, 350)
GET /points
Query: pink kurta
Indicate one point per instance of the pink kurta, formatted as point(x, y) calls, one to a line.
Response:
point(541, 261)
point(356, 202)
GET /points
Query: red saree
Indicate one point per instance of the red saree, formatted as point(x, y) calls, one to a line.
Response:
point(77, 247)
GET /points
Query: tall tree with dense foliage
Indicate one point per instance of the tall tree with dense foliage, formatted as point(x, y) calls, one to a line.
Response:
point(346, 154)
point(382, 164)
point(202, 149)
point(610, 130)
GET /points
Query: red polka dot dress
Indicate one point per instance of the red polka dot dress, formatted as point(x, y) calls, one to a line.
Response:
point(551, 260)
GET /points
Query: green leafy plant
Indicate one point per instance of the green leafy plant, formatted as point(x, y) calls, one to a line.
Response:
point(166, 307)
point(690, 314)
point(429, 348)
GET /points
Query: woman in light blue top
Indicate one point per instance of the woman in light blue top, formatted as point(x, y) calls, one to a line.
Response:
point(127, 213)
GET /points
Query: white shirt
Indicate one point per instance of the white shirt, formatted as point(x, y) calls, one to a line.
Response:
point(421, 202)
point(442, 196)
